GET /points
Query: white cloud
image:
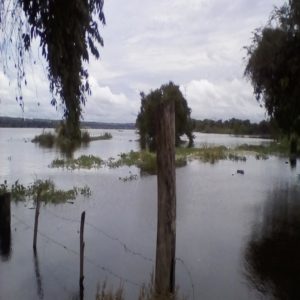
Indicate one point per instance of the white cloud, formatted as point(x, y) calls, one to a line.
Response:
point(106, 106)
point(195, 43)
point(224, 100)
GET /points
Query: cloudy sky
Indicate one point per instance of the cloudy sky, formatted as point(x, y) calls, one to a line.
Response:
point(198, 44)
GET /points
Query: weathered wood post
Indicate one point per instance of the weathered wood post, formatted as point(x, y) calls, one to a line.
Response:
point(81, 276)
point(36, 219)
point(166, 186)
point(5, 221)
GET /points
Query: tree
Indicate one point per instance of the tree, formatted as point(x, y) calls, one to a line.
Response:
point(66, 31)
point(146, 119)
point(273, 66)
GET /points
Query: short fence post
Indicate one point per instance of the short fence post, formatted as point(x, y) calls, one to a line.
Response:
point(81, 276)
point(36, 220)
point(166, 187)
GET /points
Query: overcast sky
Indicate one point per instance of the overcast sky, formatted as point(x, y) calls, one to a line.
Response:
point(197, 44)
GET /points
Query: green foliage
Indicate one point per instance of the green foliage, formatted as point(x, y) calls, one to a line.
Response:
point(46, 139)
point(82, 162)
point(64, 143)
point(146, 119)
point(235, 126)
point(205, 154)
point(273, 66)
point(45, 189)
point(144, 160)
point(274, 148)
point(66, 32)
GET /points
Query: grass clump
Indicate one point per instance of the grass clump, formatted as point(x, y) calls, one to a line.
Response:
point(147, 292)
point(82, 162)
point(144, 160)
point(273, 148)
point(205, 154)
point(46, 189)
point(104, 294)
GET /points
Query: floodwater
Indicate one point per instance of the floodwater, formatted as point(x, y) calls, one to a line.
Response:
point(238, 236)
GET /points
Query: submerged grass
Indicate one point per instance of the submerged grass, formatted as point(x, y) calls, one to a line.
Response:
point(274, 148)
point(82, 162)
point(49, 139)
point(147, 292)
point(105, 136)
point(46, 189)
point(146, 161)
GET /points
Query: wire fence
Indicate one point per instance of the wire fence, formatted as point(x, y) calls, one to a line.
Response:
point(96, 264)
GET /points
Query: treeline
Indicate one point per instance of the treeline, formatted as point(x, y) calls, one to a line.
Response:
point(235, 126)
point(45, 123)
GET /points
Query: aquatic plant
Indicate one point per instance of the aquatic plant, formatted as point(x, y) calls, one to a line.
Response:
point(64, 143)
point(130, 177)
point(46, 190)
point(275, 148)
point(46, 139)
point(144, 160)
point(105, 136)
point(82, 162)
point(205, 153)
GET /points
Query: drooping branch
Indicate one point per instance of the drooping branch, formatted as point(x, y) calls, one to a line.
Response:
point(67, 32)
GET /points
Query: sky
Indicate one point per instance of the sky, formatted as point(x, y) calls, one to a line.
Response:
point(197, 44)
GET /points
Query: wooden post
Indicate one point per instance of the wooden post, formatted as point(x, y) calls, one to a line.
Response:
point(81, 276)
point(5, 221)
point(166, 186)
point(36, 220)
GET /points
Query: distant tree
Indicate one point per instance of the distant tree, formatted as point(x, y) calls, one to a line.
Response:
point(235, 126)
point(66, 31)
point(273, 66)
point(146, 119)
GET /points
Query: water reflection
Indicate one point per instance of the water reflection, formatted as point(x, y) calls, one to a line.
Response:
point(38, 277)
point(272, 257)
point(66, 149)
point(5, 243)
point(293, 162)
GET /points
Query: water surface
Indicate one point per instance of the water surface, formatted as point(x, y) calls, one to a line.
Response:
point(234, 232)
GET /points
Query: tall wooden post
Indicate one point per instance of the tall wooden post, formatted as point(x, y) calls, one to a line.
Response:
point(5, 221)
point(166, 186)
point(81, 276)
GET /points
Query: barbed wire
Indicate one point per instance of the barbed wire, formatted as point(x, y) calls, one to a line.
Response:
point(109, 236)
point(189, 274)
point(125, 247)
point(74, 252)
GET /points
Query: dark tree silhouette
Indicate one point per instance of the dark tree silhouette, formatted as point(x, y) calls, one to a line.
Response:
point(66, 31)
point(146, 119)
point(273, 66)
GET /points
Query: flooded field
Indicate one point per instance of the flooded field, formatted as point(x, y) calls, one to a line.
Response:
point(238, 236)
